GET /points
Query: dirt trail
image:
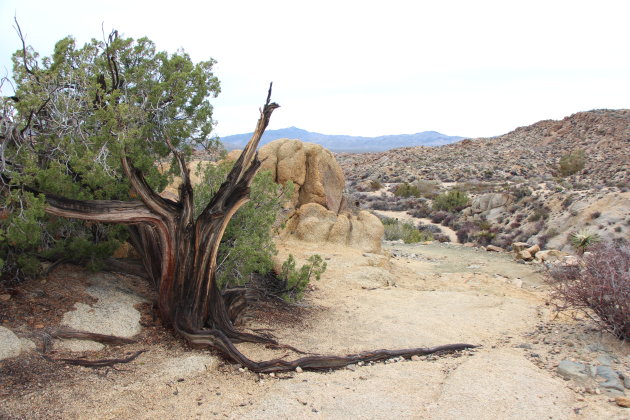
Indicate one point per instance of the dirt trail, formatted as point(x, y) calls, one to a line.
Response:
point(420, 296)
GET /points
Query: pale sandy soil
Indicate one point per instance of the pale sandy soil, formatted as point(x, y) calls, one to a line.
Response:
point(438, 294)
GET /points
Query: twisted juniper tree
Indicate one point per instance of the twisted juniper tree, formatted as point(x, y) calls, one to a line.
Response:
point(80, 140)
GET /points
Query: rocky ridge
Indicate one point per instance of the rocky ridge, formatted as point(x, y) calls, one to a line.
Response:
point(525, 153)
point(514, 182)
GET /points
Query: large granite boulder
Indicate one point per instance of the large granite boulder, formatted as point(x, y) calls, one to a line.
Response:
point(317, 176)
point(312, 222)
point(486, 202)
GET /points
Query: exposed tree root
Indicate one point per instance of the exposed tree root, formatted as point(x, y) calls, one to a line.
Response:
point(80, 335)
point(85, 335)
point(216, 339)
point(97, 363)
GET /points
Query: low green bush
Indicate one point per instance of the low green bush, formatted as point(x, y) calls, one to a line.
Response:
point(407, 190)
point(572, 163)
point(375, 185)
point(453, 200)
point(296, 281)
point(395, 230)
point(247, 245)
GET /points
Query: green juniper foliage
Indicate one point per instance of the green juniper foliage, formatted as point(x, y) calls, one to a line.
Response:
point(247, 244)
point(65, 127)
point(296, 280)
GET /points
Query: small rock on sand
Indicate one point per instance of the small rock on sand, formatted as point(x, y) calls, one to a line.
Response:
point(10, 345)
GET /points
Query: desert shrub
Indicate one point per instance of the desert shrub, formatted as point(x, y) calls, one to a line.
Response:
point(439, 216)
point(406, 190)
point(600, 288)
point(433, 229)
point(476, 187)
point(595, 214)
point(552, 232)
point(463, 235)
point(428, 189)
point(561, 272)
point(395, 230)
point(568, 201)
point(295, 280)
point(583, 239)
point(247, 245)
point(440, 237)
point(379, 205)
point(453, 200)
point(420, 211)
point(572, 163)
point(484, 237)
point(449, 220)
point(520, 192)
point(375, 185)
point(413, 235)
point(503, 241)
point(539, 213)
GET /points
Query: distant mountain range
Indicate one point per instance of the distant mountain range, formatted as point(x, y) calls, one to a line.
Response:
point(342, 143)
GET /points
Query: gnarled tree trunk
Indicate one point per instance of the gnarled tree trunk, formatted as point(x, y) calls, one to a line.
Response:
point(179, 253)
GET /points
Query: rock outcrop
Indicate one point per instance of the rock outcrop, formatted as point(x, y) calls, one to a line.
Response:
point(318, 200)
point(486, 202)
point(317, 176)
point(318, 203)
point(314, 223)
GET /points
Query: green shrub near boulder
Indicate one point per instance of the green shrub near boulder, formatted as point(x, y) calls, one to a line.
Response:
point(247, 245)
point(395, 230)
point(453, 200)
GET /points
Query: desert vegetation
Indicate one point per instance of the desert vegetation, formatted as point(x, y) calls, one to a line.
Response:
point(599, 287)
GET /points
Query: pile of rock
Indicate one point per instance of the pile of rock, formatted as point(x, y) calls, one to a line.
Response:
point(319, 212)
point(524, 251)
point(614, 382)
point(315, 173)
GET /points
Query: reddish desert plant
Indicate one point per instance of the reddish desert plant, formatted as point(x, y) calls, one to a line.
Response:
point(600, 289)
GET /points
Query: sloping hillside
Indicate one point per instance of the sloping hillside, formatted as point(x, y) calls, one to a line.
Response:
point(527, 152)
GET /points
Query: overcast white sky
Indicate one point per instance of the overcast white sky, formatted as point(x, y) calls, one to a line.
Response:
point(469, 68)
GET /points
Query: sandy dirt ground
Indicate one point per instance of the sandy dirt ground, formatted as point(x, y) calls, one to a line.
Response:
point(412, 296)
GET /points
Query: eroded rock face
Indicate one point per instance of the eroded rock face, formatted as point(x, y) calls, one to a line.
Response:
point(486, 202)
point(314, 223)
point(317, 176)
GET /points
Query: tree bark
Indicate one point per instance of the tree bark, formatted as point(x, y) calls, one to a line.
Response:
point(179, 254)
